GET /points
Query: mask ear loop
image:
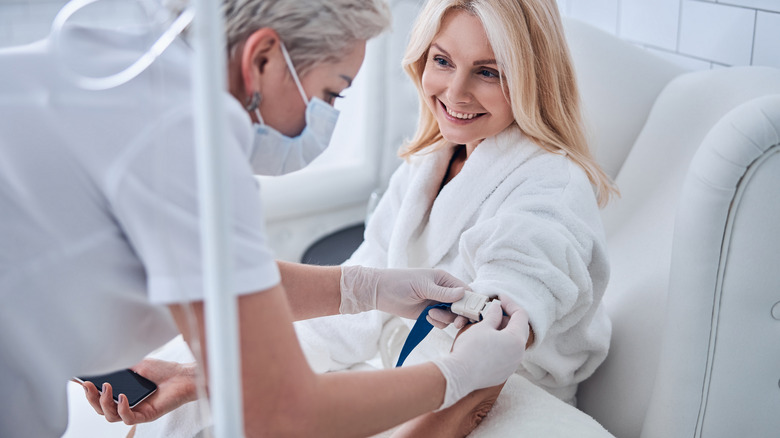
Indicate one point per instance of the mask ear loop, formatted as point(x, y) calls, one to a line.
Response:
point(294, 73)
point(254, 101)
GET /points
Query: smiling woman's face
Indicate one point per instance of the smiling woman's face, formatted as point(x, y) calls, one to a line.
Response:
point(461, 82)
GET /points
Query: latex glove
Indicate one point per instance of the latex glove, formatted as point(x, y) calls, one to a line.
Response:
point(402, 292)
point(485, 355)
point(441, 318)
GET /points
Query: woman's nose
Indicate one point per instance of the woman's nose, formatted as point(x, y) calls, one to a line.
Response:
point(458, 90)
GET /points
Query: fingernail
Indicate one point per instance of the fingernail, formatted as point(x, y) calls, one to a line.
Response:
point(104, 387)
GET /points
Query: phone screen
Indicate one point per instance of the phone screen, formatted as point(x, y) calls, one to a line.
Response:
point(133, 385)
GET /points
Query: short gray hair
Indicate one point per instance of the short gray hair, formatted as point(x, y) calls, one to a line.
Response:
point(313, 31)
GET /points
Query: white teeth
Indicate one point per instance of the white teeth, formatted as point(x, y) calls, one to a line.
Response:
point(461, 115)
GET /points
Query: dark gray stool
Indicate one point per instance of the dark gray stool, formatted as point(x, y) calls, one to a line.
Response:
point(334, 248)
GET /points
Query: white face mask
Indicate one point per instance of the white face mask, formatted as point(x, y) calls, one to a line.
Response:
point(273, 153)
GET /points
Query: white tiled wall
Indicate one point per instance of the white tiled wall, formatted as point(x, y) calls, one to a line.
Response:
point(697, 34)
point(766, 49)
point(653, 22)
point(600, 13)
point(720, 33)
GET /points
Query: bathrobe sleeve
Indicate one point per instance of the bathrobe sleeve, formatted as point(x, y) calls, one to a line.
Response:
point(544, 246)
point(338, 342)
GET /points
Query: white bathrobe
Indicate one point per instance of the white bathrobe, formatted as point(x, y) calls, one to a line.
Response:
point(516, 220)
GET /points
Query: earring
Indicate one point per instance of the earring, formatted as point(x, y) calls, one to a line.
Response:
point(254, 101)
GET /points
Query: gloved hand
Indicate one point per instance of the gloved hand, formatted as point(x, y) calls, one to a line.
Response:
point(485, 355)
point(403, 292)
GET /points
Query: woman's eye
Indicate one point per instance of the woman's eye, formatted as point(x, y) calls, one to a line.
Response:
point(488, 74)
point(440, 61)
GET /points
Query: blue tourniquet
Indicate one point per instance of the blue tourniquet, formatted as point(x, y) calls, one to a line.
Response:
point(419, 331)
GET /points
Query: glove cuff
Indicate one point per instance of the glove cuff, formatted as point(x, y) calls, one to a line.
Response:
point(455, 390)
point(358, 289)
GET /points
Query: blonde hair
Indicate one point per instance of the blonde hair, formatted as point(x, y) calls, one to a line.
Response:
point(531, 51)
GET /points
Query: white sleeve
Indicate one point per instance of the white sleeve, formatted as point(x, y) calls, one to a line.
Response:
point(153, 191)
point(552, 263)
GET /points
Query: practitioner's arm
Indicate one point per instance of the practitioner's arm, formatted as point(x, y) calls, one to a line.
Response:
point(314, 291)
point(283, 397)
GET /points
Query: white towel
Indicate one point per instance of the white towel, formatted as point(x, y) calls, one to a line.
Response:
point(329, 343)
point(522, 409)
point(525, 410)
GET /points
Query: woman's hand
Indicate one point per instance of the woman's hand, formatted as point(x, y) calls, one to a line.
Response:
point(175, 387)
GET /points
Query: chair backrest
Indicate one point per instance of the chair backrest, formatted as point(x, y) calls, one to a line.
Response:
point(640, 225)
point(619, 82)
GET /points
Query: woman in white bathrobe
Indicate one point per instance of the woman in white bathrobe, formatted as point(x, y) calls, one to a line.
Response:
point(499, 189)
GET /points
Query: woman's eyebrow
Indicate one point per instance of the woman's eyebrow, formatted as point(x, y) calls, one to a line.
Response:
point(441, 50)
point(478, 62)
point(485, 62)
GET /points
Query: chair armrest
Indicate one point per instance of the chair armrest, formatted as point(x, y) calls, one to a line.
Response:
point(718, 369)
point(640, 228)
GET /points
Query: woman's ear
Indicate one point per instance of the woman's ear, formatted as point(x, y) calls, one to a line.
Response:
point(260, 49)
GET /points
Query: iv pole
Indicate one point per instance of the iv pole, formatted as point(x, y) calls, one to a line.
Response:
point(220, 306)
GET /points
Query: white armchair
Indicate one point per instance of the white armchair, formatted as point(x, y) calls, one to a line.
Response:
point(694, 241)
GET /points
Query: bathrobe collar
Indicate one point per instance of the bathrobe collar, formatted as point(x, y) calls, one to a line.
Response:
point(429, 223)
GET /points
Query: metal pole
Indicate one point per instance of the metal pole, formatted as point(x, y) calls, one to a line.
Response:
point(220, 306)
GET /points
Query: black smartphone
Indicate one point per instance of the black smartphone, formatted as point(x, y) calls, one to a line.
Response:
point(133, 385)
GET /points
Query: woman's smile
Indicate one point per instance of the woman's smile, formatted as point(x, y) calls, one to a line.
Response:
point(460, 117)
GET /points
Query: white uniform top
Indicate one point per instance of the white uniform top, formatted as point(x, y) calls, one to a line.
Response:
point(99, 218)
